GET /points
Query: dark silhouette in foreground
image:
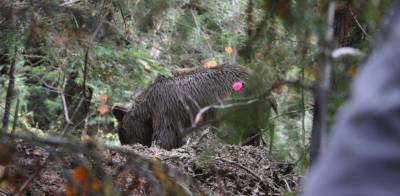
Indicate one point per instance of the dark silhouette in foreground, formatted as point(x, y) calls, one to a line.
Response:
point(363, 157)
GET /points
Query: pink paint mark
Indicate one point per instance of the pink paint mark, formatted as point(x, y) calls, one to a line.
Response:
point(237, 86)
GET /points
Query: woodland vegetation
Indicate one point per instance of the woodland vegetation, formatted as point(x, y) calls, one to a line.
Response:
point(65, 63)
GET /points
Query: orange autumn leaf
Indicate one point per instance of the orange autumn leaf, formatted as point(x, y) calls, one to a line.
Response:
point(85, 181)
point(210, 64)
point(158, 171)
point(228, 50)
point(95, 184)
point(351, 72)
point(80, 174)
point(102, 98)
point(69, 190)
point(103, 109)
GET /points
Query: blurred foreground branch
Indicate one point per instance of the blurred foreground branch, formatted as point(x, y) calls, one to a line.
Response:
point(319, 132)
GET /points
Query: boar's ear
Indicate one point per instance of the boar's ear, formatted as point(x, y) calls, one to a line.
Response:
point(119, 110)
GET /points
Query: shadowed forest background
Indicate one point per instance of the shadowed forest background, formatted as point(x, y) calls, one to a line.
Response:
point(64, 64)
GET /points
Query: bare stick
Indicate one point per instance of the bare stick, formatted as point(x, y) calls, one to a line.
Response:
point(85, 67)
point(242, 167)
point(10, 92)
point(64, 102)
point(85, 127)
point(223, 106)
point(359, 25)
point(27, 181)
point(86, 61)
point(250, 139)
point(252, 173)
point(69, 3)
point(15, 119)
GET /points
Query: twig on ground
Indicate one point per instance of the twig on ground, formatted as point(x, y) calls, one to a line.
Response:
point(69, 3)
point(252, 173)
point(242, 167)
point(250, 139)
point(287, 185)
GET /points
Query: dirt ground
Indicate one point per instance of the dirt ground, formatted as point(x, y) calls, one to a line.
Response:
point(203, 167)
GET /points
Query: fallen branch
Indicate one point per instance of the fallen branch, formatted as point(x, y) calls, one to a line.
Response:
point(69, 3)
point(252, 173)
point(242, 167)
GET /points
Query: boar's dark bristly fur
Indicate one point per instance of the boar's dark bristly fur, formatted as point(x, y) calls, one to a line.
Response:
point(169, 104)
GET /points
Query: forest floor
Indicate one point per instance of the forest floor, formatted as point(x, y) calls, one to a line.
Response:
point(204, 167)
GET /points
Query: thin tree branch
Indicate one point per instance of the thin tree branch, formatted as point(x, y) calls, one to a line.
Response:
point(319, 132)
point(64, 102)
point(10, 91)
point(368, 37)
point(15, 119)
